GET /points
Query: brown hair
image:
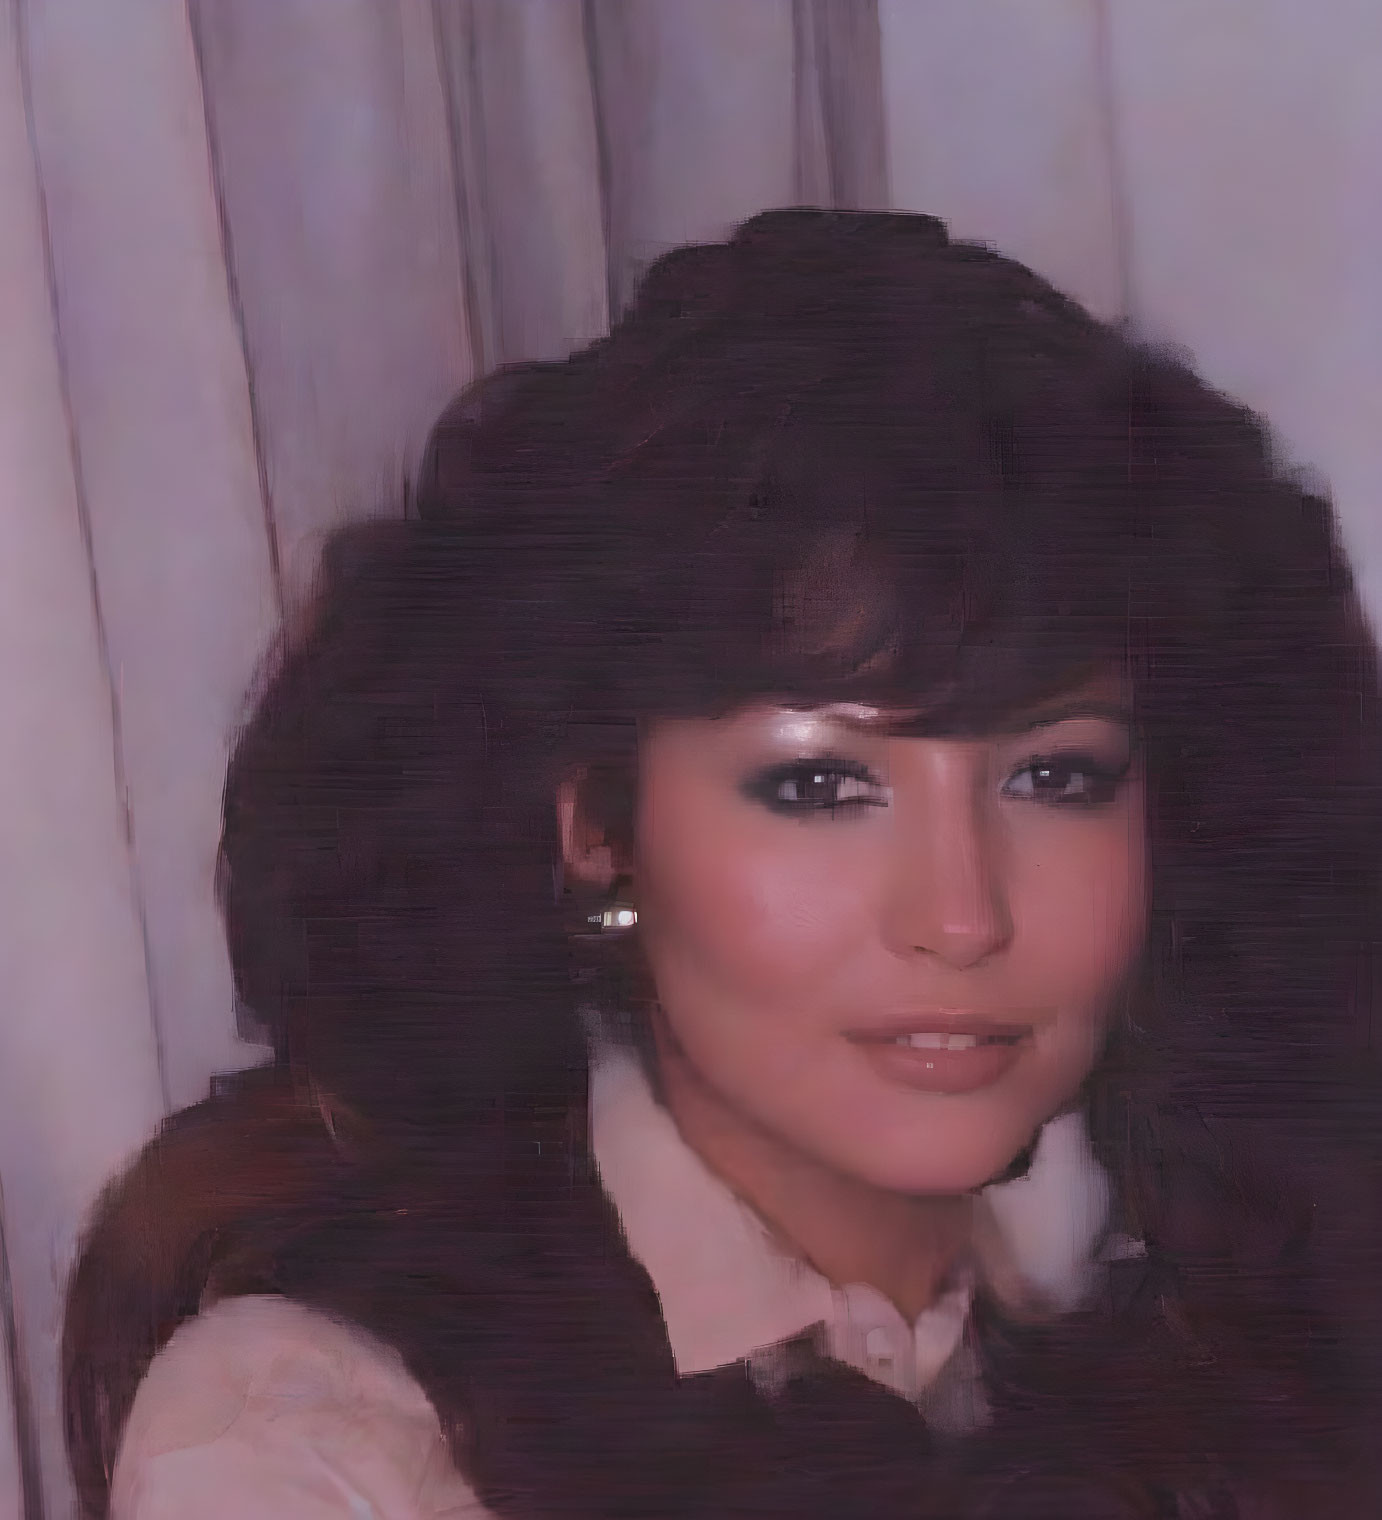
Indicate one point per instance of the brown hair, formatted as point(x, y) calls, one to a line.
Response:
point(840, 455)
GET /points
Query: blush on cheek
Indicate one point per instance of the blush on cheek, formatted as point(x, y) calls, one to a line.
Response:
point(761, 908)
point(753, 921)
point(1082, 913)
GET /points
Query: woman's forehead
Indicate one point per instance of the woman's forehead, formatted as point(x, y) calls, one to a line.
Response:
point(1103, 693)
point(1106, 695)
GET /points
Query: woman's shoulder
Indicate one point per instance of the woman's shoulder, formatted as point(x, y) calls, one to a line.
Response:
point(260, 1406)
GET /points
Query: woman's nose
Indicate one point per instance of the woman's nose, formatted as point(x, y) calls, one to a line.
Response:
point(946, 895)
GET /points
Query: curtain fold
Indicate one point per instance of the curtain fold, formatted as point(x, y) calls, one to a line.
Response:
point(162, 435)
point(21, 1476)
point(522, 110)
point(333, 160)
point(697, 116)
point(841, 132)
point(80, 1079)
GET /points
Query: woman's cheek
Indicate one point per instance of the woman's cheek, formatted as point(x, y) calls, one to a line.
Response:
point(771, 905)
point(1081, 911)
point(801, 913)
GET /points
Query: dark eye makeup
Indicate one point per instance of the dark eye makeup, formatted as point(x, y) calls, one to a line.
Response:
point(831, 784)
point(1069, 779)
point(822, 784)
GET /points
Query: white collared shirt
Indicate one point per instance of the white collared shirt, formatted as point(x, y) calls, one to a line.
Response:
point(262, 1408)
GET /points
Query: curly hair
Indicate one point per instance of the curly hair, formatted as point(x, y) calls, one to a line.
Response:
point(840, 456)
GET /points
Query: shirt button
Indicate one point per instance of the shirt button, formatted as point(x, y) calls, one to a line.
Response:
point(878, 1347)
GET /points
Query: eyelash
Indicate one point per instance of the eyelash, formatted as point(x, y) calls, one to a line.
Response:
point(767, 786)
point(1103, 780)
point(1102, 783)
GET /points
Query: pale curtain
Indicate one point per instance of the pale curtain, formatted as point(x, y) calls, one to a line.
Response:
point(248, 248)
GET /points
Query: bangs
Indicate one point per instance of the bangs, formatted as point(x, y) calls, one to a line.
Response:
point(941, 637)
point(865, 567)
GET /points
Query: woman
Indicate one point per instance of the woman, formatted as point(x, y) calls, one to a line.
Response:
point(816, 907)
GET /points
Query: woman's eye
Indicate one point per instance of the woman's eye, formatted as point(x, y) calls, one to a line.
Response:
point(1067, 781)
point(817, 786)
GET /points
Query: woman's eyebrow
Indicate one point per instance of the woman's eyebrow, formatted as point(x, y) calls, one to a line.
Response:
point(1047, 717)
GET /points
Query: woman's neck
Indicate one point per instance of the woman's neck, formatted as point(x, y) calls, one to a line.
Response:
point(849, 1231)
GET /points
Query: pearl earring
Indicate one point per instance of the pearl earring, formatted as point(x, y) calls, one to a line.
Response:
point(618, 916)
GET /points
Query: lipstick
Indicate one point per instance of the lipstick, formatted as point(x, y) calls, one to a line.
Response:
point(944, 1052)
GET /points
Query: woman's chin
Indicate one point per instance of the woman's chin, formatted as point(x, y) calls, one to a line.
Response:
point(943, 1162)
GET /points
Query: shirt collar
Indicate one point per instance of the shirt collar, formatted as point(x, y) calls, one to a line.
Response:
point(728, 1291)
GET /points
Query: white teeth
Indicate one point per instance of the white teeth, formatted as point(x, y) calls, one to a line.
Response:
point(937, 1041)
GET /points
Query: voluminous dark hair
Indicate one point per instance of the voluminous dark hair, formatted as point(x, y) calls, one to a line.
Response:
point(840, 456)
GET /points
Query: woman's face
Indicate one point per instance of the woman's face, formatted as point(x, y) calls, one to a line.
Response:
point(895, 956)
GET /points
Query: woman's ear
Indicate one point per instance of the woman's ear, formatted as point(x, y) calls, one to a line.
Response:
point(585, 852)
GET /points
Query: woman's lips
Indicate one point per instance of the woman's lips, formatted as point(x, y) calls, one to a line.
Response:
point(926, 1026)
point(944, 1053)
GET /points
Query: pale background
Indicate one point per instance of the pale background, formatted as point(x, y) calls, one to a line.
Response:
point(248, 248)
